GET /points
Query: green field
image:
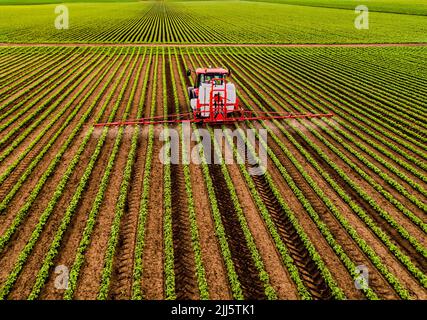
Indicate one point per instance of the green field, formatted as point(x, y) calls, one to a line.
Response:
point(391, 6)
point(356, 181)
point(206, 22)
point(36, 2)
point(84, 131)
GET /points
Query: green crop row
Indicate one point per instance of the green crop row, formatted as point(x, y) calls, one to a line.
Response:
point(34, 141)
point(367, 198)
point(75, 200)
point(388, 154)
point(21, 214)
point(392, 182)
point(91, 221)
point(405, 106)
point(403, 293)
point(16, 82)
point(393, 248)
point(363, 216)
point(315, 256)
point(219, 228)
point(124, 187)
point(143, 208)
point(29, 63)
point(200, 270)
point(366, 108)
point(53, 250)
point(364, 195)
point(374, 258)
point(281, 247)
point(347, 262)
point(42, 86)
point(301, 82)
point(263, 275)
point(337, 293)
point(52, 107)
point(373, 102)
point(12, 277)
point(342, 122)
point(8, 198)
point(397, 186)
point(198, 22)
point(380, 77)
point(167, 194)
point(353, 106)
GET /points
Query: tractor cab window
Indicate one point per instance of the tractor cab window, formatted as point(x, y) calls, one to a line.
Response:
point(208, 77)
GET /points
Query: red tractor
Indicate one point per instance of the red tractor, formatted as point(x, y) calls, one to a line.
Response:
point(214, 100)
point(213, 97)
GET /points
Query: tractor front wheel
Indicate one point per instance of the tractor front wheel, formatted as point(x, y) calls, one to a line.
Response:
point(191, 94)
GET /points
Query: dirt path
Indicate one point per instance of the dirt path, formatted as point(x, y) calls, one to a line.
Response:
point(153, 282)
point(290, 45)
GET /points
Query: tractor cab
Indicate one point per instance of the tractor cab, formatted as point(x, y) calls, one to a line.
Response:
point(206, 76)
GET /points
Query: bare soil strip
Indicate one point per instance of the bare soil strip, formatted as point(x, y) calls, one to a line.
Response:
point(279, 275)
point(213, 262)
point(186, 286)
point(153, 282)
point(404, 244)
point(121, 287)
point(246, 270)
point(289, 45)
point(26, 279)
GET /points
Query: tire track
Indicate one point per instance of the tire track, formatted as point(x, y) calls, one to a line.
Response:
point(121, 284)
point(393, 234)
point(307, 268)
point(186, 285)
point(247, 273)
point(376, 281)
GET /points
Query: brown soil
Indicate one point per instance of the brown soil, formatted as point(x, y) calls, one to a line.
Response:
point(153, 277)
point(24, 283)
point(153, 283)
point(13, 156)
point(73, 236)
point(186, 285)
point(279, 275)
point(211, 255)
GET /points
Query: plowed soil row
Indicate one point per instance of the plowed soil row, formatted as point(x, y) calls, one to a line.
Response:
point(185, 266)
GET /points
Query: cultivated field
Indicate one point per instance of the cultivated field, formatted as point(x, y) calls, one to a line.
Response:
point(213, 22)
point(337, 194)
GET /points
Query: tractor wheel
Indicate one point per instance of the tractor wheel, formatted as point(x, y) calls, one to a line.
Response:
point(191, 93)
